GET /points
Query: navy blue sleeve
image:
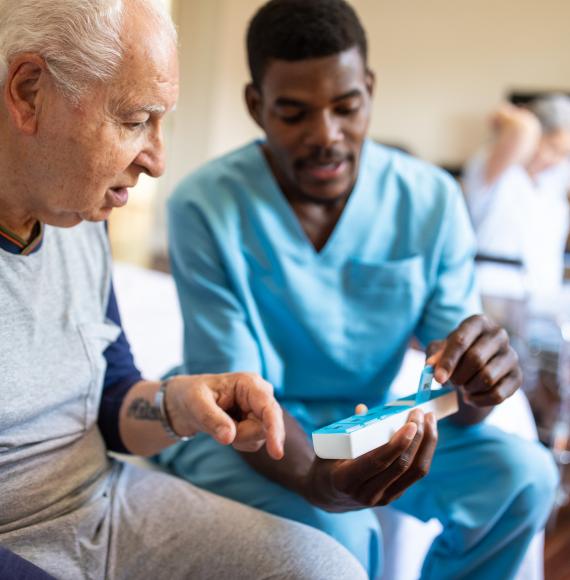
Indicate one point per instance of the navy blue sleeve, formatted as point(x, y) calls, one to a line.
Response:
point(120, 376)
point(14, 567)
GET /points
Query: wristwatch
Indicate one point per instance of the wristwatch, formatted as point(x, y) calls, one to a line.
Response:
point(160, 406)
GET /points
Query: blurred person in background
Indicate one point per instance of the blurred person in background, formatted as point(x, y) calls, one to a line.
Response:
point(517, 194)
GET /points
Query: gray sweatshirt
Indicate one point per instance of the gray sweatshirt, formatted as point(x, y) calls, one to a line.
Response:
point(53, 332)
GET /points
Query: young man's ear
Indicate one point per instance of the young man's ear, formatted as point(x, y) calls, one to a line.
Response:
point(370, 81)
point(22, 91)
point(253, 102)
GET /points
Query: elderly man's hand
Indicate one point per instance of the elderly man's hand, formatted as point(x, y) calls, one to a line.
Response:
point(520, 119)
point(234, 408)
point(478, 358)
point(378, 477)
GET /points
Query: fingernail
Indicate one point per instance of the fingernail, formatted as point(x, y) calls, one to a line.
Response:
point(417, 416)
point(467, 399)
point(441, 376)
point(410, 430)
point(279, 454)
point(221, 431)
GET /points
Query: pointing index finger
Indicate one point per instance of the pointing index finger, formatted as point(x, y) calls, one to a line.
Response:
point(275, 429)
point(256, 396)
point(456, 345)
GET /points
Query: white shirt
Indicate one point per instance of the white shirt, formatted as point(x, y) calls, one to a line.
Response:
point(522, 218)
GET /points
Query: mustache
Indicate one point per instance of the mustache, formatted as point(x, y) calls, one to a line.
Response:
point(323, 156)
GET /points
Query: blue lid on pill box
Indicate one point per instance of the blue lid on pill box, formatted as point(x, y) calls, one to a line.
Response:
point(356, 422)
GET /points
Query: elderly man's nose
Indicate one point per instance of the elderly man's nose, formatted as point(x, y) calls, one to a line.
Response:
point(157, 164)
point(152, 158)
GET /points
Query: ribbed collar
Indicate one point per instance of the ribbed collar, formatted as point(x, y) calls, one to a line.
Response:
point(14, 244)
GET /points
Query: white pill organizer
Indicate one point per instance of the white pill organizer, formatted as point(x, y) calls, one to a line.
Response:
point(359, 434)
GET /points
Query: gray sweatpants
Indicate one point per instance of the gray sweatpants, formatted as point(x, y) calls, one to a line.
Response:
point(142, 524)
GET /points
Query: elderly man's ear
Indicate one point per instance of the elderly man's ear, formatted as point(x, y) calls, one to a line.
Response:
point(22, 92)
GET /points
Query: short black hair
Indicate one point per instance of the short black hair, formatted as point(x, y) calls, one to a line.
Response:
point(301, 29)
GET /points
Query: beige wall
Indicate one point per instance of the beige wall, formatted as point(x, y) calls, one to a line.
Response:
point(441, 66)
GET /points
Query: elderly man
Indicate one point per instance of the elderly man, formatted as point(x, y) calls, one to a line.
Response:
point(85, 86)
point(313, 257)
point(517, 193)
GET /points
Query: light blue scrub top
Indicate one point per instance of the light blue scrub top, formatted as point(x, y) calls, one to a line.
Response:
point(328, 329)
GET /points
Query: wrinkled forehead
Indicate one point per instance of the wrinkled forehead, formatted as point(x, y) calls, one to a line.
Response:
point(148, 72)
point(148, 62)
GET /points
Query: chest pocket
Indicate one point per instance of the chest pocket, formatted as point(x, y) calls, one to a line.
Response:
point(383, 303)
point(369, 278)
point(96, 337)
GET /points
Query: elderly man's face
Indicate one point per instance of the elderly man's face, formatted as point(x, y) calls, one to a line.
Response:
point(315, 114)
point(553, 148)
point(94, 152)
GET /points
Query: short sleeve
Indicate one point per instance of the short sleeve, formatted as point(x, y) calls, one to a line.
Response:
point(217, 335)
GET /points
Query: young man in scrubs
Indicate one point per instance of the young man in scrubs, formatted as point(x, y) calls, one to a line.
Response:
point(313, 257)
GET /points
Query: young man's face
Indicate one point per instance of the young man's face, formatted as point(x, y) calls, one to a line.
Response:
point(315, 114)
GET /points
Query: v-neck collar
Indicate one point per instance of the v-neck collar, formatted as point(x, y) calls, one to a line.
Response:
point(356, 211)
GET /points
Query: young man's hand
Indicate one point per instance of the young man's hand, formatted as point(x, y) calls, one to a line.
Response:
point(378, 477)
point(478, 359)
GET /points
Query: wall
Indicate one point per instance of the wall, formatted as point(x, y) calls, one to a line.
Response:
point(441, 66)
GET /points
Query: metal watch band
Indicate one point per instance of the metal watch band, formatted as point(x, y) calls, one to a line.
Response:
point(160, 404)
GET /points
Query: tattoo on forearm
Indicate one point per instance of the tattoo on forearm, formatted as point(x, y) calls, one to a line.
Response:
point(144, 410)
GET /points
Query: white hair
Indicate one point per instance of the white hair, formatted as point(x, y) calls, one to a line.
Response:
point(553, 112)
point(80, 40)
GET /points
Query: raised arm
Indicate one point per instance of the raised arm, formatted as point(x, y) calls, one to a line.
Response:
point(516, 136)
